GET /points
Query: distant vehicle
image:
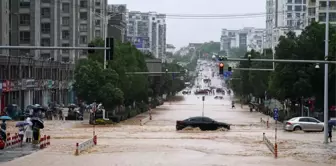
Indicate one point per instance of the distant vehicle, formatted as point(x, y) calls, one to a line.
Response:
point(219, 97)
point(303, 123)
point(186, 92)
point(204, 123)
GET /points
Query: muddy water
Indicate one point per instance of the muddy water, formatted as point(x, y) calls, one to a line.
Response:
point(158, 143)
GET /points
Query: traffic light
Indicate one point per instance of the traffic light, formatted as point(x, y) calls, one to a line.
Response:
point(229, 68)
point(109, 53)
point(221, 68)
point(91, 51)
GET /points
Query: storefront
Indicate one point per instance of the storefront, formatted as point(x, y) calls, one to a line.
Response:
point(5, 94)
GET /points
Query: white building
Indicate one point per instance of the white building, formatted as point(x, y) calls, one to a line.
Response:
point(249, 38)
point(148, 30)
point(317, 11)
point(283, 16)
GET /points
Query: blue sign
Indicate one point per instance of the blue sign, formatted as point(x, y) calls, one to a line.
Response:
point(276, 113)
point(138, 42)
point(227, 74)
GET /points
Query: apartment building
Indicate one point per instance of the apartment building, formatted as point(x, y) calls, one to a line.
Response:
point(55, 23)
point(283, 16)
point(247, 38)
point(117, 22)
point(147, 31)
point(317, 11)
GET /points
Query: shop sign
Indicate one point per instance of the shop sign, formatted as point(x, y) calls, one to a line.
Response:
point(16, 85)
point(6, 86)
point(29, 83)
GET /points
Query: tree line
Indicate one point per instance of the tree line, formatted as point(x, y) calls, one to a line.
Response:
point(291, 81)
point(114, 86)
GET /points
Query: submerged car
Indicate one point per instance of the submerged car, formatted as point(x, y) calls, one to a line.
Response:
point(219, 97)
point(303, 123)
point(204, 123)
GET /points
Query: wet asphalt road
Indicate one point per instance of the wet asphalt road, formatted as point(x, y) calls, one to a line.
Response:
point(158, 143)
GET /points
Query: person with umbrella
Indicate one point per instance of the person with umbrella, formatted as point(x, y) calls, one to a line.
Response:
point(331, 123)
point(4, 127)
point(37, 125)
point(28, 131)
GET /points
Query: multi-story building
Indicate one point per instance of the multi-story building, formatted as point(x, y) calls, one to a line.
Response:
point(247, 38)
point(283, 16)
point(317, 11)
point(147, 31)
point(55, 23)
point(117, 23)
point(40, 76)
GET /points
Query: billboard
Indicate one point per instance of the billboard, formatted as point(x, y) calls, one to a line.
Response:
point(139, 42)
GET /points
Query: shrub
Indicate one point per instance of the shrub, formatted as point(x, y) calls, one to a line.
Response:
point(103, 122)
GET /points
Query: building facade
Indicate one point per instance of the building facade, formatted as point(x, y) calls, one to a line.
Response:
point(117, 23)
point(247, 38)
point(55, 23)
point(147, 31)
point(317, 11)
point(283, 16)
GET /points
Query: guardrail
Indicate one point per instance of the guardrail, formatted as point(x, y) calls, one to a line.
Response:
point(271, 147)
point(145, 120)
point(265, 122)
point(80, 147)
point(12, 141)
point(44, 141)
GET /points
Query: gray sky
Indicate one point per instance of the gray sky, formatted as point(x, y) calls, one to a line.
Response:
point(180, 32)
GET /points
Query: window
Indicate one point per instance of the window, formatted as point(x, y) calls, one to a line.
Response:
point(97, 3)
point(65, 20)
point(24, 19)
point(97, 33)
point(83, 39)
point(298, 1)
point(205, 119)
point(45, 42)
point(289, 15)
point(45, 28)
point(83, 27)
point(46, 1)
point(289, 1)
point(65, 7)
point(24, 37)
point(83, 16)
point(303, 120)
point(297, 15)
point(65, 34)
point(322, 17)
point(24, 3)
point(313, 120)
point(97, 22)
point(289, 8)
point(97, 11)
point(298, 8)
point(83, 4)
point(65, 45)
point(45, 12)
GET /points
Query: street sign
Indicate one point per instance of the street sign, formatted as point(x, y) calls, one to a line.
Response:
point(203, 98)
point(276, 113)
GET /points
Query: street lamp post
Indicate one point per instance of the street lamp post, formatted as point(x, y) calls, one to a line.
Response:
point(326, 75)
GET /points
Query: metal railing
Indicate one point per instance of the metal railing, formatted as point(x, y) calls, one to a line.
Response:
point(270, 146)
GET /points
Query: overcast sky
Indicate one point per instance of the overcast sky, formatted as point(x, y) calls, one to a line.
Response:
point(180, 32)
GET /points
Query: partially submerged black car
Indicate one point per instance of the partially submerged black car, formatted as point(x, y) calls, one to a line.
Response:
point(204, 123)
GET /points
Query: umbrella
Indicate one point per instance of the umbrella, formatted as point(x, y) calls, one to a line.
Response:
point(332, 122)
point(37, 122)
point(5, 118)
point(20, 124)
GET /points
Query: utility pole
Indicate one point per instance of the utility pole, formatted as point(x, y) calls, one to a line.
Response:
point(326, 97)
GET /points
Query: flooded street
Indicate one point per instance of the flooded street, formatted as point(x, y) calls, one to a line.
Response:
point(158, 142)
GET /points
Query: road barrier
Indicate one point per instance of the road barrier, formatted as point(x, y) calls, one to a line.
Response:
point(80, 147)
point(265, 122)
point(44, 141)
point(271, 147)
point(12, 141)
point(145, 120)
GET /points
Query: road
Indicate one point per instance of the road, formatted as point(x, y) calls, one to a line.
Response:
point(158, 143)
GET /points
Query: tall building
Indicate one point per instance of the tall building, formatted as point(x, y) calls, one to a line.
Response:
point(247, 38)
point(117, 22)
point(317, 11)
point(54, 23)
point(147, 31)
point(283, 16)
point(4, 26)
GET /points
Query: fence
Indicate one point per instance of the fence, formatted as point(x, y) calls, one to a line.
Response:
point(265, 122)
point(44, 142)
point(12, 141)
point(271, 147)
point(145, 120)
point(80, 147)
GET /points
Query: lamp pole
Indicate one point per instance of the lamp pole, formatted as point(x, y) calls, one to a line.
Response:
point(326, 75)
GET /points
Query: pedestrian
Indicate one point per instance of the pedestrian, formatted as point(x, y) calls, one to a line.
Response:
point(330, 127)
point(233, 105)
point(21, 134)
point(3, 130)
point(28, 131)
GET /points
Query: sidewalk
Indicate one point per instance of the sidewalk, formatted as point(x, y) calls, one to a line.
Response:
point(13, 153)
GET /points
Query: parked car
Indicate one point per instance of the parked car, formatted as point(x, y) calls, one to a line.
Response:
point(204, 123)
point(303, 123)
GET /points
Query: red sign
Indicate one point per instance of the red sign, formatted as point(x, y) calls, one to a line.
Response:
point(333, 108)
point(6, 86)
